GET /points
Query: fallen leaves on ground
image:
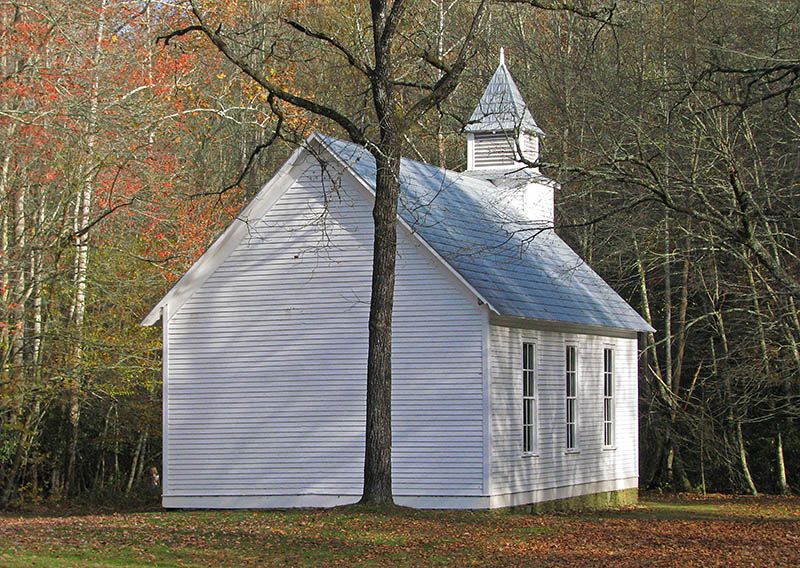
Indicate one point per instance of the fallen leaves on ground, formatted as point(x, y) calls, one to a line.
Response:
point(662, 531)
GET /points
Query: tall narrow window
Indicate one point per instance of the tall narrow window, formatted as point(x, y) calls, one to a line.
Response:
point(608, 397)
point(572, 396)
point(528, 397)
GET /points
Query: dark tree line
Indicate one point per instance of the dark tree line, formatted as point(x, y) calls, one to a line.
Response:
point(681, 120)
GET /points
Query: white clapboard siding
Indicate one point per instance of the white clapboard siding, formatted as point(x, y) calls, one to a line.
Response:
point(267, 362)
point(551, 466)
point(494, 150)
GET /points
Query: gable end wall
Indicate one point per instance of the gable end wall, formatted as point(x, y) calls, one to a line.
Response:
point(266, 374)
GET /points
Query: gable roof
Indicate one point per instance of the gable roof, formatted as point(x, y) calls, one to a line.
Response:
point(514, 265)
point(518, 267)
point(502, 107)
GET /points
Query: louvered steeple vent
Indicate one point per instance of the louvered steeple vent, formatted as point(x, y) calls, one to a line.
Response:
point(500, 133)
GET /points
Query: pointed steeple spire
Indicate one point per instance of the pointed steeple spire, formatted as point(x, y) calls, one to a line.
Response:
point(502, 145)
point(502, 108)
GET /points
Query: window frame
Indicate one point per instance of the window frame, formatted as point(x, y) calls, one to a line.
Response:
point(530, 428)
point(609, 397)
point(571, 401)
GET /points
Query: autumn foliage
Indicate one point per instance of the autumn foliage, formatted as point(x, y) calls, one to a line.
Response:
point(672, 129)
point(114, 152)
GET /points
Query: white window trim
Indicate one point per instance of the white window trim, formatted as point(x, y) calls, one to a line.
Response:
point(534, 449)
point(613, 419)
point(576, 447)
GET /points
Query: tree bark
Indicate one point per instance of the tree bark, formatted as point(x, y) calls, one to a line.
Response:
point(83, 211)
point(135, 463)
point(783, 486)
point(748, 478)
point(378, 451)
point(378, 457)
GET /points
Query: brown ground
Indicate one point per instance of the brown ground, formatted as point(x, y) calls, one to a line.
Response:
point(662, 531)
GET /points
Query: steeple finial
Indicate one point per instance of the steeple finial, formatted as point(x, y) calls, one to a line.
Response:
point(502, 56)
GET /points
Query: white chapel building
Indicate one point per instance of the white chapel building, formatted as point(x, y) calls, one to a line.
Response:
point(514, 364)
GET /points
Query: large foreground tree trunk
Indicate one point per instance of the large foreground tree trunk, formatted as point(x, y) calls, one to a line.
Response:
point(378, 455)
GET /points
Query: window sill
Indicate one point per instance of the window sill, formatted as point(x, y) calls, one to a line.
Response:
point(572, 451)
point(529, 455)
point(609, 448)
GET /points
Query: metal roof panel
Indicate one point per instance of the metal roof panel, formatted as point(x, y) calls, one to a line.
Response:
point(520, 268)
point(502, 107)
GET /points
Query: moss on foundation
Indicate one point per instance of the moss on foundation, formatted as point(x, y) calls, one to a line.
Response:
point(604, 500)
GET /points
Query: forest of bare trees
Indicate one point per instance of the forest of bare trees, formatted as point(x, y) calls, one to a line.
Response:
point(673, 128)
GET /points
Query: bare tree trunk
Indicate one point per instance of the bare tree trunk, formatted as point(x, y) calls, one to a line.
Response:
point(733, 423)
point(783, 486)
point(762, 334)
point(34, 476)
point(20, 284)
point(17, 415)
point(727, 392)
point(6, 19)
point(680, 478)
point(440, 141)
point(643, 289)
point(702, 461)
point(142, 457)
point(101, 468)
point(37, 321)
point(378, 455)
point(56, 488)
point(668, 308)
point(751, 486)
point(682, 327)
point(5, 288)
point(116, 444)
point(135, 464)
point(83, 209)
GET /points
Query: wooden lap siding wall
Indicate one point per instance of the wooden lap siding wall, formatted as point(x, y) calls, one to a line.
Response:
point(266, 375)
point(553, 472)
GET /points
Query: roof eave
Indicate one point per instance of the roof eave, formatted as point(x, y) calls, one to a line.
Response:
point(593, 329)
point(201, 269)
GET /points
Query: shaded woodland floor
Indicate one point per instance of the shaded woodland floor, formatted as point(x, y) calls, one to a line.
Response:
point(677, 530)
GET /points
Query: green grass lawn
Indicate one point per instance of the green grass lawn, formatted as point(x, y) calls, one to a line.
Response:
point(661, 531)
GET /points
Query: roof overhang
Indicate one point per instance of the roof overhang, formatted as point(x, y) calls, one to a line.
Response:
point(568, 327)
point(204, 266)
point(219, 250)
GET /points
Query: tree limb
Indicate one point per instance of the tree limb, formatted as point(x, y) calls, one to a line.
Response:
point(178, 33)
point(447, 83)
point(351, 59)
point(253, 154)
point(356, 134)
point(602, 14)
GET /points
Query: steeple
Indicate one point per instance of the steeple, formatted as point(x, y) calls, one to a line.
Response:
point(501, 125)
point(502, 140)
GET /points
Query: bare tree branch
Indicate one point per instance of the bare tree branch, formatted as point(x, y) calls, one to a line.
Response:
point(356, 134)
point(447, 83)
point(602, 14)
point(253, 154)
point(351, 59)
